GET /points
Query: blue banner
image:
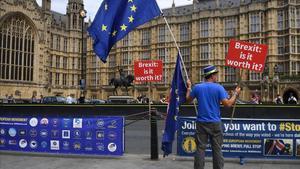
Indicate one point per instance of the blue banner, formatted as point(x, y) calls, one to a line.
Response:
point(256, 138)
point(63, 135)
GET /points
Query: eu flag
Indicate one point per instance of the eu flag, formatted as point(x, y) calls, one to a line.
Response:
point(177, 96)
point(116, 18)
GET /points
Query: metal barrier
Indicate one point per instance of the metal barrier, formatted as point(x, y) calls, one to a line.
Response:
point(135, 111)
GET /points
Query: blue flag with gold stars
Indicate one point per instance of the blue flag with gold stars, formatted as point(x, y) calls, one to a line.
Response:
point(177, 97)
point(116, 18)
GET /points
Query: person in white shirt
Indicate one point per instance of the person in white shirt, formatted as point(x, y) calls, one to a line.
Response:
point(69, 99)
point(278, 100)
point(292, 99)
point(5, 100)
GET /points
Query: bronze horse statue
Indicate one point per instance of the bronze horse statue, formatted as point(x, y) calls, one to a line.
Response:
point(122, 81)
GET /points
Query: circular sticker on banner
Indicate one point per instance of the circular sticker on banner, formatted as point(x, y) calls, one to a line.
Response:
point(100, 123)
point(112, 147)
point(100, 146)
point(44, 121)
point(112, 135)
point(33, 122)
point(66, 145)
point(33, 144)
point(44, 144)
point(89, 123)
point(23, 143)
point(2, 131)
point(189, 145)
point(77, 146)
point(44, 133)
point(55, 122)
point(2, 142)
point(12, 132)
point(33, 133)
point(77, 134)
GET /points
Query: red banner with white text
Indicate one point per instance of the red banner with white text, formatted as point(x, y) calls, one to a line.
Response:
point(245, 55)
point(148, 71)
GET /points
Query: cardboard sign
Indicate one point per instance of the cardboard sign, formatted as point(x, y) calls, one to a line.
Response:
point(245, 55)
point(148, 71)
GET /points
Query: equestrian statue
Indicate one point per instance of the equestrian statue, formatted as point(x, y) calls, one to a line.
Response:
point(122, 81)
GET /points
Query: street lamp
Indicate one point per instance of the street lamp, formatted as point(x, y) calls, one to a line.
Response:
point(275, 80)
point(265, 84)
point(82, 14)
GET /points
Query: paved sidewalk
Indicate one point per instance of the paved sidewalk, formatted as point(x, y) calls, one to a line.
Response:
point(130, 161)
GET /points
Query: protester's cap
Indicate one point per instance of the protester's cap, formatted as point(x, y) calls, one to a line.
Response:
point(209, 70)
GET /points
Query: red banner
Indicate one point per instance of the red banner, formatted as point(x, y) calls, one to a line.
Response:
point(148, 71)
point(246, 55)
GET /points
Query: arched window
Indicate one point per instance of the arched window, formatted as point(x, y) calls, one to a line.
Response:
point(74, 22)
point(16, 49)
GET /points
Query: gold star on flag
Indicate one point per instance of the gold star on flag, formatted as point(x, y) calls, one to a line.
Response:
point(123, 27)
point(133, 8)
point(104, 27)
point(114, 33)
point(131, 19)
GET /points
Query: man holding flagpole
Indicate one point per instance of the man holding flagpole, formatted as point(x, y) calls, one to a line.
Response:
point(209, 95)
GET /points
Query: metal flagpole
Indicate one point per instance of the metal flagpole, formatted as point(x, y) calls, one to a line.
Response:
point(182, 62)
point(239, 84)
point(184, 68)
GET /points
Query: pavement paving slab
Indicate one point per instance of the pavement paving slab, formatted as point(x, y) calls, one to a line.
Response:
point(130, 161)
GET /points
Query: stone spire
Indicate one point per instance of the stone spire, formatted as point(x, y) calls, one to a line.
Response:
point(46, 5)
point(73, 11)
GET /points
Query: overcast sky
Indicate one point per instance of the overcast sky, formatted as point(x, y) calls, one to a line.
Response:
point(92, 6)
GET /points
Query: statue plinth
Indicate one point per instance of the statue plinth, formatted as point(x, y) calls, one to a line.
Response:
point(121, 99)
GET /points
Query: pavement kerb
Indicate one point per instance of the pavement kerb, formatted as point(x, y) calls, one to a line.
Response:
point(246, 160)
point(146, 157)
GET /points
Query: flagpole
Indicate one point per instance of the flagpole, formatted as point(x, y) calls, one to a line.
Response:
point(239, 84)
point(184, 68)
point(182, 62)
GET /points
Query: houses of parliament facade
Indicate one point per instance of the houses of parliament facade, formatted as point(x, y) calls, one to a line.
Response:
point(41, 50)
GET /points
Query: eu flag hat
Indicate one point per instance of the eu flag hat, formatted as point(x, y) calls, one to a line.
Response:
point(209, 70)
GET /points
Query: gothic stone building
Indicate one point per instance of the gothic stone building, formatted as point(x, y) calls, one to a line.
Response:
point(41, 49)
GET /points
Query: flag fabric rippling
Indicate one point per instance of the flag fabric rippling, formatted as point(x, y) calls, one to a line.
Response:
point(116, 18)
point(177, 97)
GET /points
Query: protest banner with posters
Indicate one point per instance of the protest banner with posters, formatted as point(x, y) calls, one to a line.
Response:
point(97, 135)
point(245, 55)
point(250, 138)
